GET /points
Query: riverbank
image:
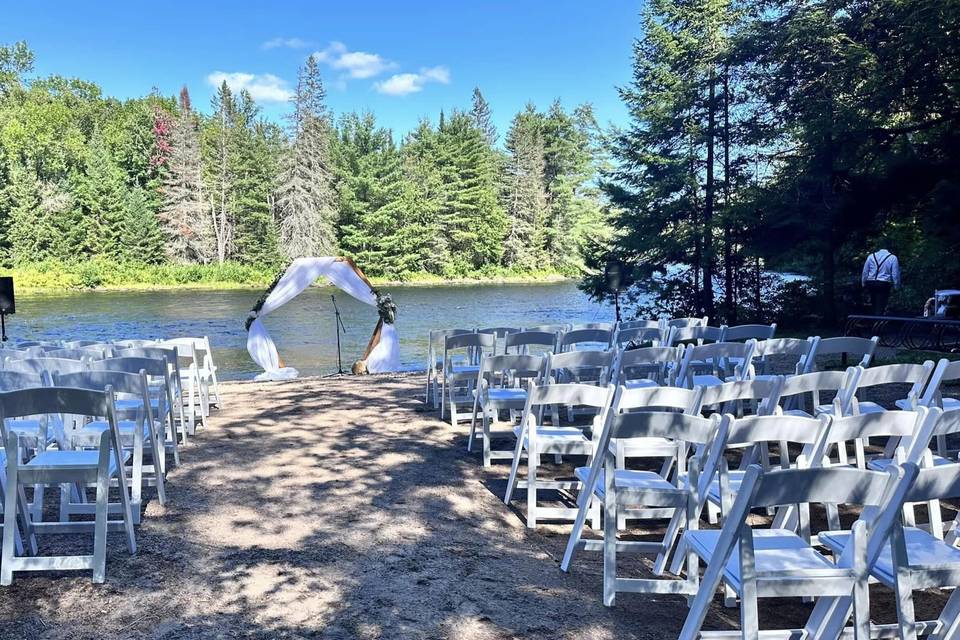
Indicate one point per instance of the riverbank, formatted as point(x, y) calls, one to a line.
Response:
point(96, 275)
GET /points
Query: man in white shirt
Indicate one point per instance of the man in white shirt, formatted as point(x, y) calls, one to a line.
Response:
point(881, 273)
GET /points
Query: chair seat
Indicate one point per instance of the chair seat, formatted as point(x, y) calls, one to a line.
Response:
point(89, 435)
point(557, 439)
point(706, 380)
point(951, 404)
point(881, 464)
point(774, 550)
point(507, 396)
point(640, 383)
point(866, 407)
point(67, 460)
point(132, 404)
point(922, 549)
point(633, 484)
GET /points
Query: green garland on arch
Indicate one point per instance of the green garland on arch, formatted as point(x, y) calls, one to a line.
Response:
point(255, 311)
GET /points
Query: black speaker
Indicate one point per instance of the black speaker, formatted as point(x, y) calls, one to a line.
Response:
point(8, 304)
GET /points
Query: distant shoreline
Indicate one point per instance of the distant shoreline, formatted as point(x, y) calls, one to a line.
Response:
point(212, 285)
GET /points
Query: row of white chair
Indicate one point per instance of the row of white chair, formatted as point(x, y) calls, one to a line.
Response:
point(104, 419)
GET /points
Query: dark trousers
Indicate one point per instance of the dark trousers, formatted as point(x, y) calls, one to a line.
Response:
point(879, 292)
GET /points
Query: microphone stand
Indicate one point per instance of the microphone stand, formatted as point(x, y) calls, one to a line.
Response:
point(3, 326)
point(339, 326)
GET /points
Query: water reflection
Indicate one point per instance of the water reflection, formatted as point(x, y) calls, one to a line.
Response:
point(304, 328)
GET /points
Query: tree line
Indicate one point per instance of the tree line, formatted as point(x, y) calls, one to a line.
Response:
point(153, 180)
point(773, 135)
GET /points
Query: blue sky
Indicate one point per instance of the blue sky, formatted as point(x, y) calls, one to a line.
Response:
point(402, 60)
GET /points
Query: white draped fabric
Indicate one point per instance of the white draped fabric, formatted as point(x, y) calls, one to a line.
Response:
point(301, 274)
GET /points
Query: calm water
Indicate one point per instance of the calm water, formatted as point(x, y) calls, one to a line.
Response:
point(304, 328)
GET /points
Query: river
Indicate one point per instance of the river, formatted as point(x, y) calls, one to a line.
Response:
point(303, 329)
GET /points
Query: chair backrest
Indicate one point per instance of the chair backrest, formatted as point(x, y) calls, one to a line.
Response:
point(766, 392)
point(79, 353)
point(716, 356)
point(132, 343)
point(639, 335)
point(824, 485)
point(937, 483)
point(120, 381)
point(599, 337)
point(642, 324)
point(151, 366)
point(948, 423)
point(660, 399)
point(647, 362)
point(913, 428)
point(662, 424)
point(173, 356)
point(863, 347)
point(511, 367)
point(916, 375)
point(469, 341)
point(786, 347)
point(585, 395)
point(545, 339)
point(696, 333)
point(46, 400)
point(606, 326)
point(740, 332)
point(809, 432)
point(597, 365)
point(548, 328)
point(500, 332)
point(842, 383)
point(688, 322)
point(52, 366)
point(13, 380)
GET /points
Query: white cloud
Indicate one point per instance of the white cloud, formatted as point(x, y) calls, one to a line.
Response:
point(356, 64)
point(285, 43)
point(264, 87)
point(402, 84)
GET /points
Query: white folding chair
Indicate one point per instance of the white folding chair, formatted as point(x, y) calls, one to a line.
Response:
point(626, 400)
point(794, 390)
point(162, 394)
point(435, 362)
point(712, 364)
point(638, 337)
point(744, 332)
point(534, 342)
point(695, 334)
point(915, 375)
point(206, 367)
point(536, 440)
point(56, 467)
point(501, 386)
point(764, 563)
point(626, 488)
point(458, 379)
point(648, 366)
point(580, 339)
point(801, 350)
point(845, 346)
point(501, 333)
point(138, 433)
point(687, 322)
point(917, 559)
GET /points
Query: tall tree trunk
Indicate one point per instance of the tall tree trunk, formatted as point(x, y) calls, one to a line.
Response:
point(709, 202)
point(730, 298)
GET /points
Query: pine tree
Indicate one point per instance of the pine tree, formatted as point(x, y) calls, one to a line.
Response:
point(472, 215)
point(141, 239)
point(421, 244)
point(483, 117)
point(101, 195)
point(185, 211)
point(305, 195)
point(525, 196)
point(256, 145)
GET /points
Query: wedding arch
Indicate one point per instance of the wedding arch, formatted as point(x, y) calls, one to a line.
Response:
point(382, 352)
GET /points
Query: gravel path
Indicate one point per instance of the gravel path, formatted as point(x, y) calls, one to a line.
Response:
point(342, 509)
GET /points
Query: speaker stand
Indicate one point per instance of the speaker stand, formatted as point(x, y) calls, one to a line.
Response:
point(3, 327)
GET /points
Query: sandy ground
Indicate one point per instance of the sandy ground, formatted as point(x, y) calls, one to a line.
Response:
point(344, 509)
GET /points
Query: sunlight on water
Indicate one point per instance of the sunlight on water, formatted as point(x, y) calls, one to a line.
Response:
point(304, 328)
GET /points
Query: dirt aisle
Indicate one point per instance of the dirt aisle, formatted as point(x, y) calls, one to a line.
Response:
point(336, 509)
